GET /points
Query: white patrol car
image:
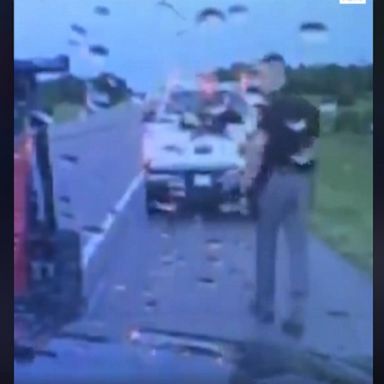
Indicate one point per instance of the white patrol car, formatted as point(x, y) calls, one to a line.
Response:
point(190, 165)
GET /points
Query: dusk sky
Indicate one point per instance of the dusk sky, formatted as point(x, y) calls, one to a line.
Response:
point(144, 46)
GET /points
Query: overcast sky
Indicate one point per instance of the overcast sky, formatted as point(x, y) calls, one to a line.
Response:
point(144, 46)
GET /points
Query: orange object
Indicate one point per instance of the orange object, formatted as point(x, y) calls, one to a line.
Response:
point(21, 162)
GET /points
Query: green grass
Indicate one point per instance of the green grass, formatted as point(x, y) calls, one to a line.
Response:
point(343, 209)
point(343, 212)
point(362, 104)
point(66, 112)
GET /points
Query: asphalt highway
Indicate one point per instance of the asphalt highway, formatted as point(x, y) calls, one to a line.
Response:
point(192, 274)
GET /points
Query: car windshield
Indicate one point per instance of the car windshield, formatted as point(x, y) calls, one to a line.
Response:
point(207, 177)
point(195, 101)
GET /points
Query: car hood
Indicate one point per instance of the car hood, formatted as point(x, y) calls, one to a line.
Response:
point(78, 362)
point(162, 356)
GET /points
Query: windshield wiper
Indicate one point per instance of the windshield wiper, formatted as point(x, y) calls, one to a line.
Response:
point(194, 344)
point(188, 335)
point(256, 360)
point(27, 354)
point(97, 339)
point(191, 349)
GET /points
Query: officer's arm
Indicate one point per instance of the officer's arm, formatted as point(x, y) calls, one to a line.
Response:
point(308, 152)
point(254, 152)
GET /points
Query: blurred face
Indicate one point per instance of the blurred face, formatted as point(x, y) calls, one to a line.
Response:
point(208, 85)
point(254, 80)
point(265, 78)
point(271, 77)
point(244, 81)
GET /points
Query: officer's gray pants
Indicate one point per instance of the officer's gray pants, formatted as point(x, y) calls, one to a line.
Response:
point(284, 202)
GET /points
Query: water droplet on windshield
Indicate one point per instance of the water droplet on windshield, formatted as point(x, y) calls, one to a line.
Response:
point(207, 281)
point(215, 259)
point(181, 33)
point(169, 6)
point(238, 13)
point(67, 215)
point(210, 16)
point(102, 10)
point(214, 245)
point(69, 159)
point(99, 50)
point(181, 260)
point(151, 303)
point(65, 199)
point(134, 335)
point(314, 32)
point(237, 9)
point(113, 211)
point(74, 43)
point(77, 28)
point(167, 260)
point(338, 313)
point(233, 270)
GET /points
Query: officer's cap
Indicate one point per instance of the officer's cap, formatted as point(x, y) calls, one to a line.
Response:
point(273, 58)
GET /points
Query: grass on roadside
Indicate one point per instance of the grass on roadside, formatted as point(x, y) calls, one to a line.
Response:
point(343, 211)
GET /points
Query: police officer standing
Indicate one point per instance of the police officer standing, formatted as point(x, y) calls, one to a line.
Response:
point(290, 126)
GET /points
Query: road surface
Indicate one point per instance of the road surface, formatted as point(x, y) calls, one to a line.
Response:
point(188, 274)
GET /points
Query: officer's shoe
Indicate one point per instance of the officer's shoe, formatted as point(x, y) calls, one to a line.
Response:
point(262, 315)
point(294, 324)
point(293, 328)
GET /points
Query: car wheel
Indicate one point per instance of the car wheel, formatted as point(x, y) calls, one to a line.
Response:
point(69, 274)
point(150, 210)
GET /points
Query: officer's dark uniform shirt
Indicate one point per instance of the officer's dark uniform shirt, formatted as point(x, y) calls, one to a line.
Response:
point(284, 142)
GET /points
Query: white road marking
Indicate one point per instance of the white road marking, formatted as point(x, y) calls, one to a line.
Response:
point(95, 240)
point(100, 288)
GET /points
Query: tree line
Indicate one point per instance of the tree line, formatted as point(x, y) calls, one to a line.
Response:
point(72, 90)
point(343, 83)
